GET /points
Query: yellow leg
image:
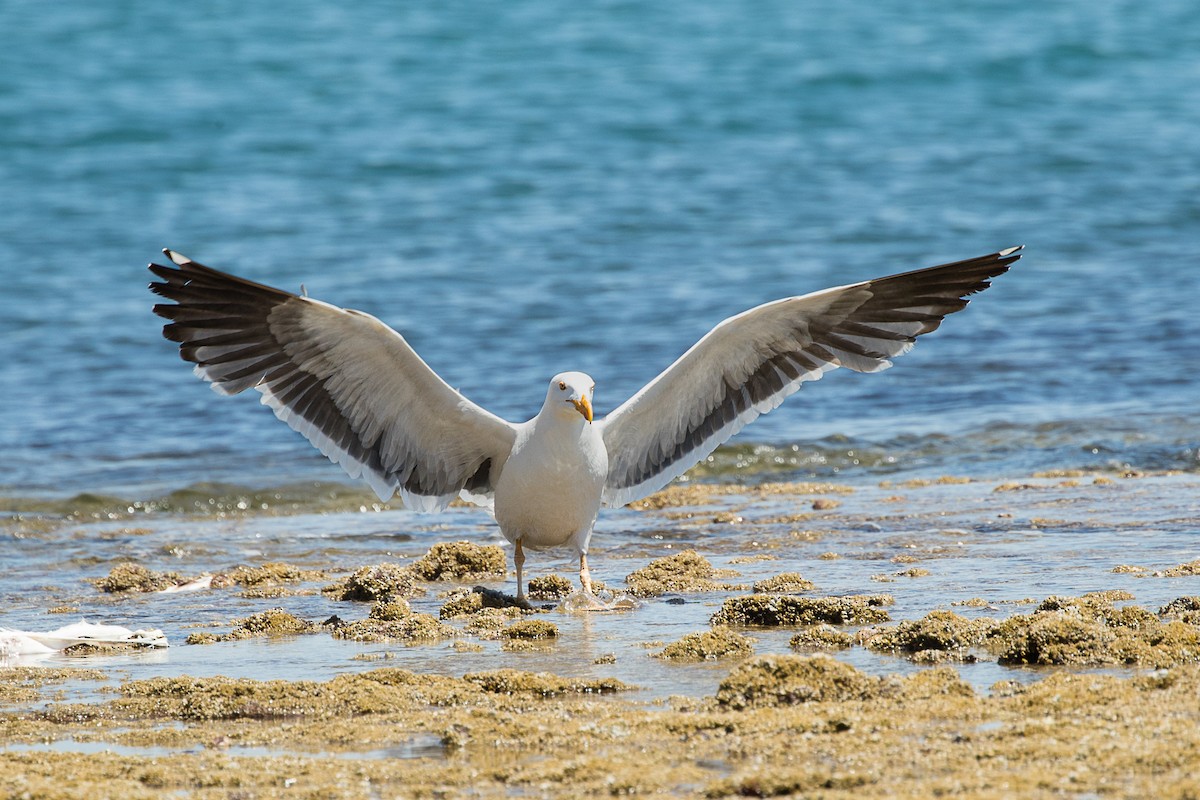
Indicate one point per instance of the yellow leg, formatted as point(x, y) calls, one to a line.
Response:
point(519, 561)
point(585, 577)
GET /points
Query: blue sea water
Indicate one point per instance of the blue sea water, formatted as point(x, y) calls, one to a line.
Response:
point(529, 187)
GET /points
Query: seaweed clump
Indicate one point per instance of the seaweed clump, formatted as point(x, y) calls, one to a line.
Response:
point(459, 560)
point(273, 622)
point(132, 577)
point(540, 684)
point(379, 582)
point(272, 573)
point(1091, 631)
point(821, 637)
point(938, 636)
point(406, 628)
point(787, 583)
point(550, 587)
point(687, 571)
point(785, 680)
point(707, 645)
point(789, 611)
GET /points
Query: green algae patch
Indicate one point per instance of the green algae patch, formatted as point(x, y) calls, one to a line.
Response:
point(687, 571)
point(541, 684)
point(786, 583)
point(460, 560)
point(786, 680)
point(821, 637)
point(938, 631)
point(789, 611)
point(131, 577)
point(707, 646)
point(272, 573)
point(379, 582)
point(550, 587)
point(273, 622)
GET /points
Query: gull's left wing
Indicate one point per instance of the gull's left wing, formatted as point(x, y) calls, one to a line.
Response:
point(749, 363)
point(350, 384)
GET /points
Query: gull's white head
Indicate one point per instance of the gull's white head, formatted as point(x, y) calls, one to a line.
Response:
point(571, 392)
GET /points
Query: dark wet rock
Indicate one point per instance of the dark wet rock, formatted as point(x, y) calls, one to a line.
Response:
point(790, 611)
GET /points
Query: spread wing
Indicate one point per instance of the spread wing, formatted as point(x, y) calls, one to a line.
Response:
point(350, 384)
point(749, 363)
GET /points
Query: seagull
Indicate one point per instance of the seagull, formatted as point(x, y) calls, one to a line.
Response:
point(357, 391)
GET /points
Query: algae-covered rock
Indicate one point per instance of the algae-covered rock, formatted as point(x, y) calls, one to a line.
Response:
point(1185, 570)
point(459, 560)
point(789, 611)
point(379, 691)
point(131, 577)
point(461, 604)
point(821, 637)
point(531, 629)
point(707, 645)
point(273, 622)
point(541, 684)
point(487, 623)
point(785, 680)
point(937, 631)
point(1090, 631)
point(787, 583)
point(410, 628)
point(1180, 606)
point(683, 572)
point(269, 574)
point(391, 610)
point(379, 582)
point(550, 587)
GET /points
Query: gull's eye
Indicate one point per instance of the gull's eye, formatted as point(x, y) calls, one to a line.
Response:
point(562, 386)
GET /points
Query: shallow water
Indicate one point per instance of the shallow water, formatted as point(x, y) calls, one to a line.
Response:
point(1053, 536)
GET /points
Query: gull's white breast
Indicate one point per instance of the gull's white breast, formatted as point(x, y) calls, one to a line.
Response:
point(549, 491)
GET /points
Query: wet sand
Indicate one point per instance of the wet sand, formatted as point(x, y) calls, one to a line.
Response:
point(1038, 636)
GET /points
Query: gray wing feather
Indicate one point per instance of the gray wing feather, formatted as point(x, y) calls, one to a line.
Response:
point(350, 384)
point(748, 365)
